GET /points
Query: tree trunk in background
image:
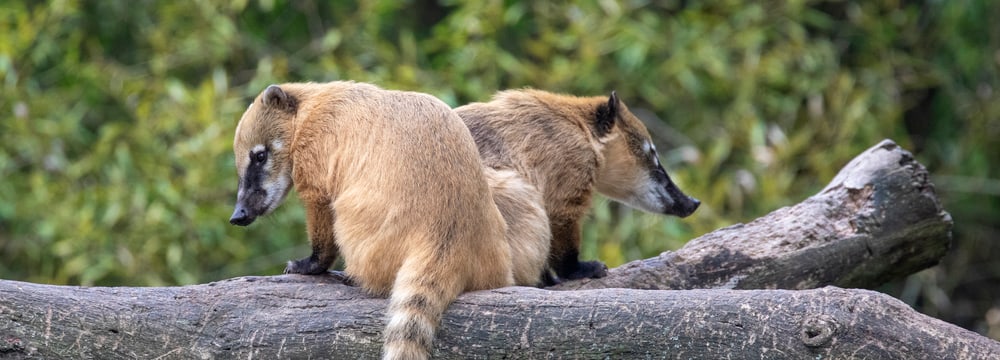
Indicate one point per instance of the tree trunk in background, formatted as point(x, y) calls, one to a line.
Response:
point(878, 219)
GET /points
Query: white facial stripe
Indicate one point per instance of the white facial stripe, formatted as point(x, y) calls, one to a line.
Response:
point(649, 148)
point(257, 148)
point(276, 192)
point(648, 197)
point(277, 145)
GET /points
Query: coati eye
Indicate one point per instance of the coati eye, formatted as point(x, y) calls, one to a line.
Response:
point(260, 156)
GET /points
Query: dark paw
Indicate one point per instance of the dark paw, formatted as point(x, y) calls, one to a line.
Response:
point(548, 279)
point(587, 269)
point(306, 266)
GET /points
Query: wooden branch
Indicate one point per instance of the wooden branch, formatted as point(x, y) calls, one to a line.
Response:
point(294, 316)
point(877, 219)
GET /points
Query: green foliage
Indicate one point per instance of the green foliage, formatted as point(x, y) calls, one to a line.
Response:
point(118, 116)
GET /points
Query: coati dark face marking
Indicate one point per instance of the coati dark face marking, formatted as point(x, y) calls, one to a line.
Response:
point(259, 193)
point(664, 196)
point(261, 163)
point(632, 173)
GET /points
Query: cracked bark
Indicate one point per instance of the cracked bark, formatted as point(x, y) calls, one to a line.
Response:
point(878, 219)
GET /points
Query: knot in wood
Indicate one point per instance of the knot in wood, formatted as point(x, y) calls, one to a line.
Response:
point(817, 330)
point(13, 346)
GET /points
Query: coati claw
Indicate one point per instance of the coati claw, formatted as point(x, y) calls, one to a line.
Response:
point(588, 269)
point(305, 266)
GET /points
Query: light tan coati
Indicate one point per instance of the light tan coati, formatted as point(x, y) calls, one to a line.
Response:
point(528, 232)
point(392, 182)
point(567, 147)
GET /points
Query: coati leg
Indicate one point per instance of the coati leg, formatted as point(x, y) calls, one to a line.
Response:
point(319, 224)
point(564, 257)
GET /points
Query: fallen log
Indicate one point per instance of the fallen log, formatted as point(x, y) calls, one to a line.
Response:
point(878, 219)
point(294, 316)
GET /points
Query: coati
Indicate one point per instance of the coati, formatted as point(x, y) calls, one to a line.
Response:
point(392, 182)
point(567, 147)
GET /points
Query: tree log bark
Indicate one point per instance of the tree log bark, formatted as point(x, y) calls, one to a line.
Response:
point(292, 316)
point(878, 219)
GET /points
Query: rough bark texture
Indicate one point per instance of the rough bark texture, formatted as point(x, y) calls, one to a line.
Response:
point(294, 316)
point(878, 219)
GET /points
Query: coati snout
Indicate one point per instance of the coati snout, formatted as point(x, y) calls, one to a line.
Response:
point(675, 202)
point(261, 189)
point(685, 207)
point(263, 186)
point(658, 193)
point(241, 216)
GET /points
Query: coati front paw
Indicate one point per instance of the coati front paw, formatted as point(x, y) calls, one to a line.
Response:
point(588, 269)
point(305, 266)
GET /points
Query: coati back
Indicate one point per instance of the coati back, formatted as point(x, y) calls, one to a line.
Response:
point(391, 181)
point(567, 147)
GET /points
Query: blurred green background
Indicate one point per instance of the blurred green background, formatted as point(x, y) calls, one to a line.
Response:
point(117, 117)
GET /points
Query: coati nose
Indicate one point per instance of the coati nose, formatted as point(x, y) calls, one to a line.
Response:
point(689, 207)
point(240, 217)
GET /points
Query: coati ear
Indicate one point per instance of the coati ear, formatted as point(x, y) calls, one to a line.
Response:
point(275, 97)
point(606, 115)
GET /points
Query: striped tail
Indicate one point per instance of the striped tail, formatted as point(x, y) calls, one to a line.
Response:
point(419, 297)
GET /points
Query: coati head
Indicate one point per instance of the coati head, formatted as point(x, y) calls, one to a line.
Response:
point(632, 173)
point(262, 159)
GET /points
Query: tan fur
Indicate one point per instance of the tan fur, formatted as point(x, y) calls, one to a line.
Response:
point(566, 147)
point(392, 182)
point(622, 175)
point(528, 231)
